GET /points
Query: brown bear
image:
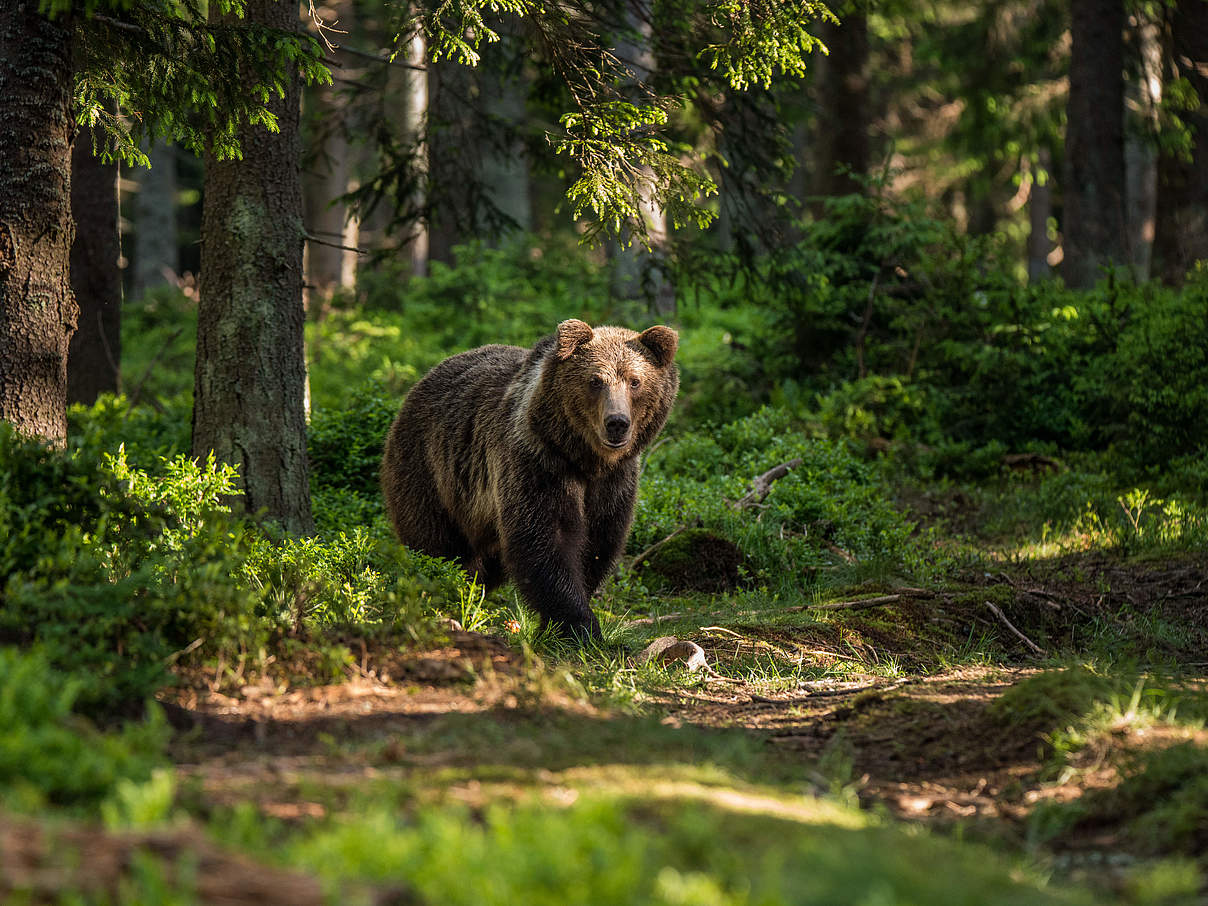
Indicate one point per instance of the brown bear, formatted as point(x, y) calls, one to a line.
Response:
point(522, 464)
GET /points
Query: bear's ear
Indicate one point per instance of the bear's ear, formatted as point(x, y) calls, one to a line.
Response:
point(571, 335)
point(662, 342)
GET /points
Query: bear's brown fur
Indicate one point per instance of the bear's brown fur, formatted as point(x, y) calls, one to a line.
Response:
point(522, 464)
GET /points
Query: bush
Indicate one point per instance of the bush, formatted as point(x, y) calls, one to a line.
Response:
point(355, 578)
point(116, 575)
point(50, 755)
point(833, 506)
point(345, 442)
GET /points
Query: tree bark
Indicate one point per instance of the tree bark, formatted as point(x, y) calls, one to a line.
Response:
point(328, 177)
point(95, 352)
point(251, 370)
point(415, 127)
point(155, 256)
point(1094, 224)
point(1181, 230)
point(1143, 98)
point(37, 308)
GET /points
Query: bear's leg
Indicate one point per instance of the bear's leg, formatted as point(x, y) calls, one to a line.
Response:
point(420, 519)
point(543, 554)
point(609, 512)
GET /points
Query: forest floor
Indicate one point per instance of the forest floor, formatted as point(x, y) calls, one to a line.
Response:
point(475, 720)
point(851, 706)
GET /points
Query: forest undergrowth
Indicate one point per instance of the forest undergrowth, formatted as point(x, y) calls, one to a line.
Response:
point(950, 584)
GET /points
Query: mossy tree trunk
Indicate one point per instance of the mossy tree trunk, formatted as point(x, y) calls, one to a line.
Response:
point(94, 356)
point(251, 369)
point(37, 308)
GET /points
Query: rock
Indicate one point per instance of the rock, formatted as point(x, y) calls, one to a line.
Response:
point(668, 649)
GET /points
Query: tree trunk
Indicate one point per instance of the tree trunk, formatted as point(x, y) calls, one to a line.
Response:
point(251, 370)
point(1181, 231)
point(327, 178)
point(415, 127)
point(1143, 98)
point(155, 239)
point(37, 308)
point(841, 135)
point(1094, 224)
point(453, 150)
point(95, 352)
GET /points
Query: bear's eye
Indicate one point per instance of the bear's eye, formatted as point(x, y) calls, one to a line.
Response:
point(635, 383)
point(596, 382)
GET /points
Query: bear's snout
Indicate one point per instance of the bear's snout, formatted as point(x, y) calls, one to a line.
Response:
point(616, 428)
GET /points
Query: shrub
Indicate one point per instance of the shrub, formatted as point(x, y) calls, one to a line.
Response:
point(48, 754)
point(345, 442)
point(352, 578)
point(832, 506)
point(116, 575)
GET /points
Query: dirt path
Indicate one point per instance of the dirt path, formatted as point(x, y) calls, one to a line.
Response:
point(925, 743)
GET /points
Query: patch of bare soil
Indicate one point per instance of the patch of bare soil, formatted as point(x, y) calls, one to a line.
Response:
point(386, 683)
point(262, 741)
point(925, 748)
point(932, 747)
point(928, 746)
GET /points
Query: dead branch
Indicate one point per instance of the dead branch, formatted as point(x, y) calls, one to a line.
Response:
point(633, 564)
point(1036, 649)
point(860, 603)
point(762, 485)
point(311, 237)
point(646, 621)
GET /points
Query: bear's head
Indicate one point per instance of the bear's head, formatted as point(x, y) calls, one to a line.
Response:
point(616, 385)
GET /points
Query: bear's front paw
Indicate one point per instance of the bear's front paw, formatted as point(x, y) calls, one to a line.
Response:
point(582, 632)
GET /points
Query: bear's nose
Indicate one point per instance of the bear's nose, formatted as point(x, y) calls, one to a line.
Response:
point(616, 426)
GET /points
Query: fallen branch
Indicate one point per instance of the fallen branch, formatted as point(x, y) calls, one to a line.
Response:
point(648, 552)
point(762, 485)
point(646, 621)
point(860, 603)
point(830, 693)
point(1019, 635)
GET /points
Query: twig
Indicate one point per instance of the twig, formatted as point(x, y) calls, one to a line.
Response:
point(115, 23)
point(646, 621)
point(830, 693)
point(1019, 635)
point(378, 58)
point(856, 605)
point(731, 632)
point(860, 603)
point(762, 485)
point(311, 237)
point(633, 564)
